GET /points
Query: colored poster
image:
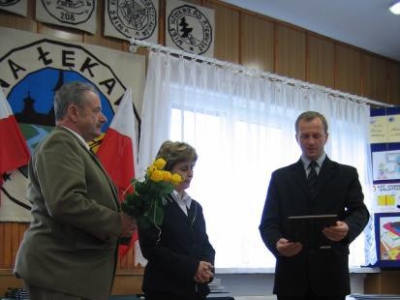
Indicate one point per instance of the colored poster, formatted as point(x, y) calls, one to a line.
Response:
point(386, 197)
point(393, 129)
point(378, 130)
point(388, 239)
point(386, 165)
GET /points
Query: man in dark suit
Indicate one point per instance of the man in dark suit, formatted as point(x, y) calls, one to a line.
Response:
point(308, 271)
point(70, 248)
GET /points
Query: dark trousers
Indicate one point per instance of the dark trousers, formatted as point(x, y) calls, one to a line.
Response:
point(164, 296)
point(311, 296)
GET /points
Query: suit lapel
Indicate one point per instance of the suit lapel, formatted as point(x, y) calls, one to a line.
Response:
point(327, 171)
point(191, 217)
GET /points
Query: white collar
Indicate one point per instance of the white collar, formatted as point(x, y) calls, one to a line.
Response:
point(78, 136)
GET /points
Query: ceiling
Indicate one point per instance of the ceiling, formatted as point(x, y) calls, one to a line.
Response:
point(367, 24)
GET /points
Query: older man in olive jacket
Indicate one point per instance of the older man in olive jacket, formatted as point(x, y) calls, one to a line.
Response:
point(70, 248)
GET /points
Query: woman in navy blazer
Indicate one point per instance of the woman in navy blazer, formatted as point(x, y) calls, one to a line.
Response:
point(180, 256)
point(309, 271)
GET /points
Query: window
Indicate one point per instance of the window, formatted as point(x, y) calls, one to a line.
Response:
point(231, 178)
point(242, 126)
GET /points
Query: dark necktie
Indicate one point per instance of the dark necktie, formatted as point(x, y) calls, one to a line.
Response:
point(312, 175)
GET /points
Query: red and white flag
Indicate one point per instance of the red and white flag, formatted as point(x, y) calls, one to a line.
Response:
point(14, 152)
point(117, 152)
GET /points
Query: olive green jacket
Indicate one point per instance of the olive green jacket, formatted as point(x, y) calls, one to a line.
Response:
point(71, 244)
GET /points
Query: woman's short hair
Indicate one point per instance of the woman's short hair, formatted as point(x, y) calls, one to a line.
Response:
point(175, 152)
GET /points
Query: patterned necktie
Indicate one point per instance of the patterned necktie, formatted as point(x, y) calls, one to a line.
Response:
point(312, 175)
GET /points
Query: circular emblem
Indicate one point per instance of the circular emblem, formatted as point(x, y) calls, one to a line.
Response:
point(70, 11)
point(8, 2)
point(133, 18)
point(190, 29)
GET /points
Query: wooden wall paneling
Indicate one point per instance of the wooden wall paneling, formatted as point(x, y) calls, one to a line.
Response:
point(2, 247)
point(375, 78)
point(11, 234)
point(385, 282)
point(394, 84)
point(7, 238)
point(321, 61)
point(348, 70)
point(57, 32)
point(128, 282)
point(226, 37)
point(256, 43)
point(161, 22)
point(290, 52)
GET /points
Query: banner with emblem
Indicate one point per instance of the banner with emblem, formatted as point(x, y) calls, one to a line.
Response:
point(190, 28)
point(32, 68)
point(135, 18)
point(18, 7)
point(79, 15)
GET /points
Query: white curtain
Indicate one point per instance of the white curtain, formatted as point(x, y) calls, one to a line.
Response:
point(242, 126)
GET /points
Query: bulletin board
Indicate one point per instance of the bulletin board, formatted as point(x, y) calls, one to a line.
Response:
point(385, 150)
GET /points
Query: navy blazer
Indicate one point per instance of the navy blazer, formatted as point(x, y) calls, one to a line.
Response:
point(337, 191)
point(174, 259)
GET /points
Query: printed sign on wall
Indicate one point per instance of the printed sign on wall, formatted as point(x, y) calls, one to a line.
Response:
point(74, 14)
point(18, 7)
point(386, 197)
point(386, 165)
point(127, 19)
point(190, 28)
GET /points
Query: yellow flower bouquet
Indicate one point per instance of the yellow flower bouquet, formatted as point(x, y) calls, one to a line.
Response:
point(146, 202)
